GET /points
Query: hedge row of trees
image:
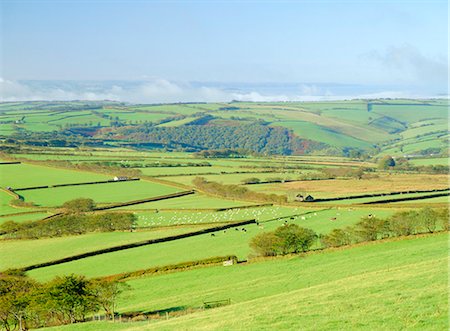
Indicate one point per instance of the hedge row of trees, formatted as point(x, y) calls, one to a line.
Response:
point(405, 223)
point(286, 239)
point(68, 224)
point(291, 238)
point(25, 303)
point(235, 191)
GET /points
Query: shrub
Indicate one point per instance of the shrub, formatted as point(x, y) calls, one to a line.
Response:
point(386, 162)
point(337, 238)
point(79, 205)
point(295, 239)
point(404, 223)
point(284, 240)
point(266, 244)
point(371, 228)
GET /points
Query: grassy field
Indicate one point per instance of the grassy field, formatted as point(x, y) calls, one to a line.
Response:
point(16, 253)
point(343, 187)
point(26, 175)
point(394, 285)
point(391, 285)
point(430, 161)
point(227, 243)
point(100, 193)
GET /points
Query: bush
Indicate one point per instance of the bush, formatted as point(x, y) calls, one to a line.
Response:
point(337, 238)
point(79, 205)
point(72, 224)
point(284, 240)
point(386, 162)
point(404, 223)
point(371, 228)
point(294, 239)
point(266, 244)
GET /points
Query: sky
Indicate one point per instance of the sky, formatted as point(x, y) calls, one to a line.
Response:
point(393, 46)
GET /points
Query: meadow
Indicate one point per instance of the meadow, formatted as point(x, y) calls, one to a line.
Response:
point(390, 285)
point(229, 242)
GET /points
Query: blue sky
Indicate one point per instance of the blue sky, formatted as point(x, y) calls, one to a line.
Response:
point(401, 43)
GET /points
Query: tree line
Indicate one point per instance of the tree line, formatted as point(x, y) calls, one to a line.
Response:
point(74, 220)
point(26, 303)
point(290, 238)
point(235, 191)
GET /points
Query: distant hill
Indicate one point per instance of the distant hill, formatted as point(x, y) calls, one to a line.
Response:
point(383, 126)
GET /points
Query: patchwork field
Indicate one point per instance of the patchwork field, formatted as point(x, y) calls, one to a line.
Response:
point(324, 149)
point(371, 287)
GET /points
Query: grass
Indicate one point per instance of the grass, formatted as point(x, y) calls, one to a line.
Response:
point(393, 285)
point(342, 187)
point(194, 201)
point(430, 161)
point(25, 175)
point(16, 253)
point(323, 134)
point(100, 193)
point(20, 218)
point(194, 248)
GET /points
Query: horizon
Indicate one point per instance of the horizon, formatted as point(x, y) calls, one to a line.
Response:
point(198, 51)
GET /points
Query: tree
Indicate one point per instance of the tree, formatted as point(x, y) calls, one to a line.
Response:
point(16, 294)
point(266, 244)
point(71, 298)
point(79, 205)
point(386, 162)
point(107, 292)
point(370, 228)
point(404, 223)
point(337, 238)
point(428, 218)
point(295, 239)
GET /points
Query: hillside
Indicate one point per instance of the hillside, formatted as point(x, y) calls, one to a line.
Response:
point(396, 127)
point(390, 285)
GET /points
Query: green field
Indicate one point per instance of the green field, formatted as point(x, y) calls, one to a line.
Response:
point(393, 284)
point(16, 253)
point(231, 242)
point(26, 175)
point(430, 161)
point(100, 193)
point(383, 286)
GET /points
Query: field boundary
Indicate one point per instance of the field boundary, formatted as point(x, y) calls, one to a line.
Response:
point(422, 197)
point(137, 202)
point(134, 245)
point(74, 184)
point(351, 197)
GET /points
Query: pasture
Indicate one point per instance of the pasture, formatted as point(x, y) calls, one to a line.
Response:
point(393, 284)
point(230, 242)
point(384, 286)
point(380, 183)
point(101, 193)
point(16, 253)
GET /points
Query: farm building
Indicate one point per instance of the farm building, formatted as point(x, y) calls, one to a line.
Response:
point(300, 197)
point(119, 178)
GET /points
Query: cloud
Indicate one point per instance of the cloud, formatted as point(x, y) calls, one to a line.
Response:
point(409, 64)
point(164, 91)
